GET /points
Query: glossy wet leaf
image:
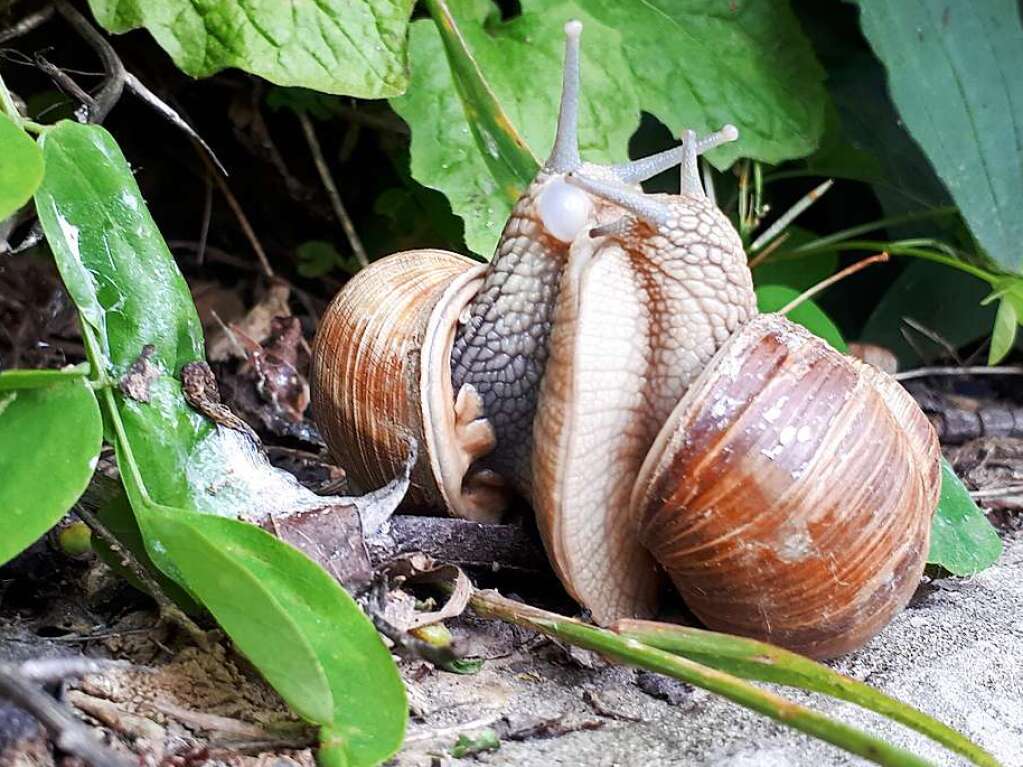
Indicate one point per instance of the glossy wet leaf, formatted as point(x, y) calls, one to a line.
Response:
point(50, 438)
point(962, 540)
point(335, 46)
point(21, 167)
point(691, 67)
point(772, 298)
point(953, 72)
point(272, 600)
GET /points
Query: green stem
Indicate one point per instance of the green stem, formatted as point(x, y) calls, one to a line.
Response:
point(635, 652)
point(904, 248)
point(763, 662)
point(881, 223)
point(7, 104)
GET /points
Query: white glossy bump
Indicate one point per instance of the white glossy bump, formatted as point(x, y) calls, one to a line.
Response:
point(564, 209)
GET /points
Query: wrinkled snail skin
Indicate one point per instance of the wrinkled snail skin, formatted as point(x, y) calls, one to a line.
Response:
point(610, 366)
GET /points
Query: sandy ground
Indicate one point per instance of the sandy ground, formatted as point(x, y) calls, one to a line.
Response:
point(956, 653)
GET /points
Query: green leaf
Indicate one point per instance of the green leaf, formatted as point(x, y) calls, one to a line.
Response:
point(772, 298)
point(962, 540)
point(296, 625)
point(702, 64)
point(953, 72)
point(21, 167)
point(307, 637)
point(521, 64)
point(335, 46)
point(50, 438)
point(751, 67)
point(1004, 334)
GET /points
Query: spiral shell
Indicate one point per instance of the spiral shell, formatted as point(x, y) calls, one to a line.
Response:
point(789, 494)
point(381, 376)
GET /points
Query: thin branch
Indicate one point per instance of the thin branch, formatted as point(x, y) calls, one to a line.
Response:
point(243, 221)
point(67, 731)
point(27, 24)
point(110, 93)
point(969, 370)
point(69, 87)
point(790, 215)
point(168, 610)
point(826, 283)
point(332, 191)
point(763, 255)
point(50, 670)
point(137, 87)
point(934, 336)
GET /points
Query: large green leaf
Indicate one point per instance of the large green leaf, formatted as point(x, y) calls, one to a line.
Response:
point(50, 438)
point(274, 602)
point(953, 72)
point(335, 46)
point(521, 64)
point(962, 540)
point(21, 167)
point(691, 67)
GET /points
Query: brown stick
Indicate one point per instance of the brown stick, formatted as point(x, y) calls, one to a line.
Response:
point(68, 733)
point(460, 542)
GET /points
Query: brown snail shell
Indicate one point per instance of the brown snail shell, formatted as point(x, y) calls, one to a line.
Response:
point(381, 375)
point(789, 495)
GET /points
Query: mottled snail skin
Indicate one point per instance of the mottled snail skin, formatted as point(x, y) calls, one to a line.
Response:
point(641, 312)
point(610, 366)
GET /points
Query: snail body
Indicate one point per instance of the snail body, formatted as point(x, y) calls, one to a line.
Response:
point(609, 365)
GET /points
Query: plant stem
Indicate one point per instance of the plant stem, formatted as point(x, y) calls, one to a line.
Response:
point(751, 659)
point(829, 281)
point(790, 215)
point(168, 610)
point(881, 223)
point(635, 652)
point(7, 104)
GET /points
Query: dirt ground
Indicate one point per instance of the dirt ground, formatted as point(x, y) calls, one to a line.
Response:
point(956, 653)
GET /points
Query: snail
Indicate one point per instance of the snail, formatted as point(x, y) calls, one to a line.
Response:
point(609, 365)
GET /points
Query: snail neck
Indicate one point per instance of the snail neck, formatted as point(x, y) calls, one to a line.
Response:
point(501, 348)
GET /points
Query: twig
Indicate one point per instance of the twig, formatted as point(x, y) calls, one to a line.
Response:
point(69, 733)
point(110, 93)
point(826, 283)
point(27, 24)
point(790, 215)
point(969, 370)
point(763, 255)
point(243, 220)
point(49, 670)
point(932, 335)
point(137, 87)
point(997, 492)
point(168, 610)
point(207, 217)
point(69, 87)
point(332, 191)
